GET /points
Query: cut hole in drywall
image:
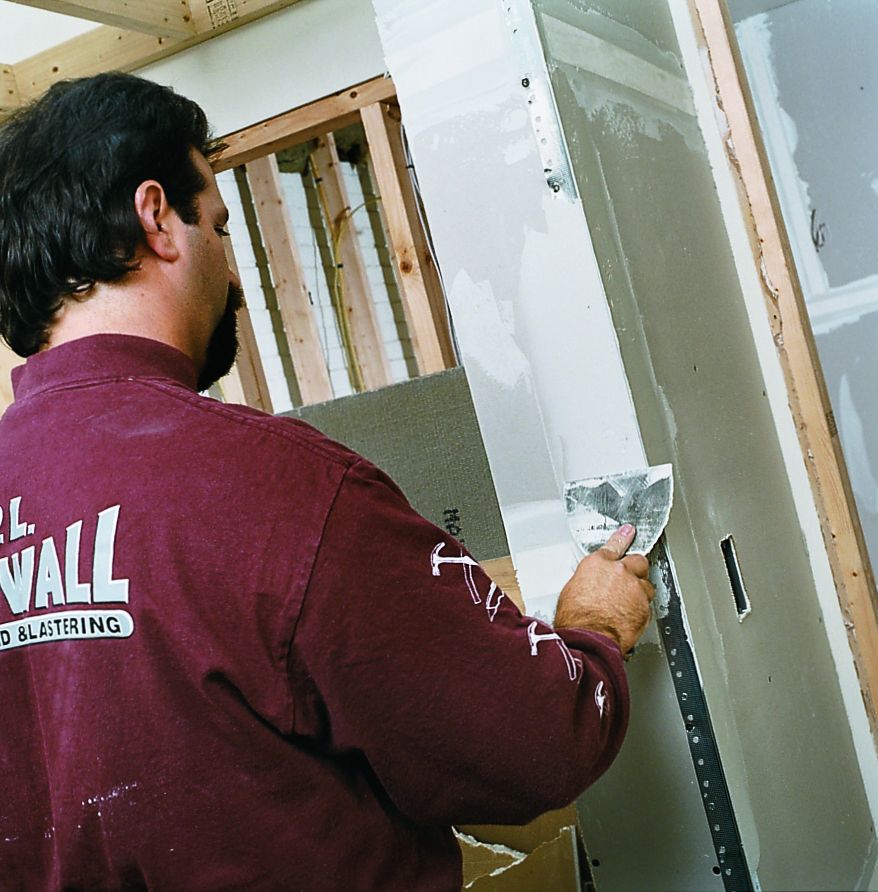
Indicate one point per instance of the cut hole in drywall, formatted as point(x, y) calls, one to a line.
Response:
point(733, 569)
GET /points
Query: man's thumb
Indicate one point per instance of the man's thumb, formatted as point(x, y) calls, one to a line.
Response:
point(616, 546)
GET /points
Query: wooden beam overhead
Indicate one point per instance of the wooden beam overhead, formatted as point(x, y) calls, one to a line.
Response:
point(354, 305)
point(103, 49)
point(294, 301)
point(9, 96)
point(163, 18)
point(301, 124)
point(211, 16)
point(420, 286)
point(107, 48)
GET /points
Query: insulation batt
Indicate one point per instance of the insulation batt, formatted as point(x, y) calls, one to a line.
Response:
point(273, 674)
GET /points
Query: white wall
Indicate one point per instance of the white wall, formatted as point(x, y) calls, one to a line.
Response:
point(310, 50)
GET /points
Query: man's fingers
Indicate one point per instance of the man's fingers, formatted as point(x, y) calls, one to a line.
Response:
point(637, 564)
point(616, 546)
point(648, 589)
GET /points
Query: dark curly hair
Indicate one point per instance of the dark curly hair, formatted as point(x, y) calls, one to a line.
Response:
point(70, 164)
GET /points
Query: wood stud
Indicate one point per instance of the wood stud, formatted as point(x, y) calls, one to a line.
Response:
point(293, 299)
point(420, 287)
point(354, 305)
point(246, 382)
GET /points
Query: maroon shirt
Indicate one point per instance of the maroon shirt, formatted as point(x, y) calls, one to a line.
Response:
point(233, 657)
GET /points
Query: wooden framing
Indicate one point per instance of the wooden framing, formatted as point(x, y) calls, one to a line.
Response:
point(424, 302)
point(8, 361)
point(164, 18)
point(421, 291)
point(212, 16)
point(354, 304)
point(246, 382)
point(809, 401)
point(420, 287)
point(293, 299)
point(109, 48)
point(260, 257)
point(9, 97)
point(301, 124)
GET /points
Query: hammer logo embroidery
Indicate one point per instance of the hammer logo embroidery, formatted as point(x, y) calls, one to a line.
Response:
point(436, 561)
point(535, 640)
point(492, 602)
point(600, 698)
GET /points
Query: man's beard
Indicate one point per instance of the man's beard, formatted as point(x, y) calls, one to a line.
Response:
point(222, 349)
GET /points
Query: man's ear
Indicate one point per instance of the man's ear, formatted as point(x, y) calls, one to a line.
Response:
point(155, 215)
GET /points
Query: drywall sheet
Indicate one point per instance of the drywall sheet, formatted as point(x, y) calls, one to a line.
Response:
point(544, 368)
point(519, 277)
point(849, 358)
point(424, 434)
point(825, 70)
point(307, 51)
point(658, 233)
point(814, 76)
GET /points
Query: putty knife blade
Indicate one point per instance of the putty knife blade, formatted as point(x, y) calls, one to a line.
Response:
point(596, 506)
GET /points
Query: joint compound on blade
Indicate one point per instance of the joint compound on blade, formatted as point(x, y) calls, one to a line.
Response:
point(597, 506)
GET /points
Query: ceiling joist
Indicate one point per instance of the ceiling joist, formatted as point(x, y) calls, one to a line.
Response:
point(9, 98)
point(108, 48)
point(162, 18)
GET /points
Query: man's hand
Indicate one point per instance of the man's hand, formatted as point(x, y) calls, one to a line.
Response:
point(609, 593)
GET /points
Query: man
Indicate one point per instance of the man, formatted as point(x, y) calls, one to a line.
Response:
point(229, 658)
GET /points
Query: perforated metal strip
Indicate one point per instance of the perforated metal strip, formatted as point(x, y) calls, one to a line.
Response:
point(731, 860)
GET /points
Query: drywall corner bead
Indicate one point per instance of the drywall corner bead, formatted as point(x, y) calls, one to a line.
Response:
point(544, 117)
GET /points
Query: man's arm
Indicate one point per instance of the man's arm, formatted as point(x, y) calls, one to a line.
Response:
point(467, 711)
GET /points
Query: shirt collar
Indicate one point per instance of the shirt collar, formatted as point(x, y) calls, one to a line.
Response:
point(102, 357)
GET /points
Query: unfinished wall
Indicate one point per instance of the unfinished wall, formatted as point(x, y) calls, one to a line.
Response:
point(667, 268)
point(544, 367)
point(822, 54)
point(256, 278)
point(814, 76)
point(527, 297)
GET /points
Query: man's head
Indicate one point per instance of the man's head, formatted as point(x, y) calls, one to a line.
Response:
point(72, 166)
